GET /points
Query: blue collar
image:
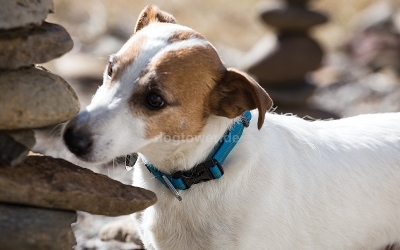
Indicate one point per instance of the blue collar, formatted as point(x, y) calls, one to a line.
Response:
point(208, 170)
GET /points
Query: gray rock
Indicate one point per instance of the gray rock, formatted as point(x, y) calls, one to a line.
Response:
point(15, 146)
point(27, 228)
point(27, 46)
point(18, 13)
point(55, 183)
point(298, 2)
point(287, 17)
point(32, 98)
point(283, 61)
point(293, 95)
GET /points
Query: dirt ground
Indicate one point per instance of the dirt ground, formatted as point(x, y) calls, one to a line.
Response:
point(346, 86)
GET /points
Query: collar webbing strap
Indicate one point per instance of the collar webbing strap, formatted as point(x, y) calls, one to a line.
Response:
point(208, 170)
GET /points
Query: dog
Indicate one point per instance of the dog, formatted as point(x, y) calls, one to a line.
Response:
point(228, 174)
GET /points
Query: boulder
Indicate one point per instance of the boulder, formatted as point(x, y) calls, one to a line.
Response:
point(27, 46)
point(55, 183)
point(27, 228)
point(32, 98)
point(283, 61)
point(293, 95)
point(18, 13)
point(288, 17)
point(15, 146)
point(299, 2)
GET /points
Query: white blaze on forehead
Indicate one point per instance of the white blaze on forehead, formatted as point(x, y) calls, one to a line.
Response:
point(156, 43)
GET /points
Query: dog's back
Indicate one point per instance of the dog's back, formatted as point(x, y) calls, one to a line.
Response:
point(326, 184)
point(292, 185)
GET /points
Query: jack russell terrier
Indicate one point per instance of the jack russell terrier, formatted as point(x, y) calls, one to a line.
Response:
point(228, 178)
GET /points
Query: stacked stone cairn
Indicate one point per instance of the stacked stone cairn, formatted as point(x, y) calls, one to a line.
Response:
point(281, 62)
point(39, 195)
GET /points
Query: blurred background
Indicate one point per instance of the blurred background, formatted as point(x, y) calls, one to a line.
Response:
point(357, 72)
point(319, 59)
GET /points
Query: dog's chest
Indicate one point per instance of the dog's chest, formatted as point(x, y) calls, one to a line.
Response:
point(184, 226)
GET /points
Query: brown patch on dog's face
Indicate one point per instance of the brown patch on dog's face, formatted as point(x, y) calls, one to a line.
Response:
point(183, 78)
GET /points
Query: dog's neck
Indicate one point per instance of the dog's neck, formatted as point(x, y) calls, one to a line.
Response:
point(170, 155)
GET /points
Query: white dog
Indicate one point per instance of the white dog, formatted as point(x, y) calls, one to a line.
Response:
point(285, 183)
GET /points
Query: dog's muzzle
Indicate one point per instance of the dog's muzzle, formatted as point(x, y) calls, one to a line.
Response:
point(76, 137)
point(76, 142)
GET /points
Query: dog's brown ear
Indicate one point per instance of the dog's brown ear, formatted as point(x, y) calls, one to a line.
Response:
point(237, 92)
point(152, 14)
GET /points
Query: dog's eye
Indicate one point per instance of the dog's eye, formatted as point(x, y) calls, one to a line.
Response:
point(110, 69)
point(154, 101)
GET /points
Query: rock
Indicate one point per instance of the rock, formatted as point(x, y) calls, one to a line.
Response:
point(296, 95)
point(24, 137)
point(15, 146)
point(27, 46)
point(287, 17)
point(299, 2)
point(283, 61)
point(27, 228)
point(18, 13)
point(55, 183)
point(32, 98)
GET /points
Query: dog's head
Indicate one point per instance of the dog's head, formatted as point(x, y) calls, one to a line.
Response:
point(166, 80)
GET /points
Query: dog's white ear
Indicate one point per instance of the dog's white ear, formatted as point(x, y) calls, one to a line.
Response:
point(237, 92)
point(152, 14)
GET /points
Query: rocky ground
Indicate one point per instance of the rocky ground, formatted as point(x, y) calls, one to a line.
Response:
point(361, 75)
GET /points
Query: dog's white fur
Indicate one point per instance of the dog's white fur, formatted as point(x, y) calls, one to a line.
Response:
point(294, 184)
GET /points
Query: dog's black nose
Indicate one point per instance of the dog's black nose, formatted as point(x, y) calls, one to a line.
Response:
point(76, 142)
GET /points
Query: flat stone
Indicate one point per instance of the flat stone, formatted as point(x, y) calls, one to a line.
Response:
point(55, 183)
point(27, 46)
point(32, 98)
point(291, 94)
point(18, 13)
point(27, 228)
point(284, 60)
point(15, 146)
point(288, 17)
point(299, 2)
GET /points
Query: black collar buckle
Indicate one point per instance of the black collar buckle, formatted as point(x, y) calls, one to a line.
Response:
point(200, 173)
